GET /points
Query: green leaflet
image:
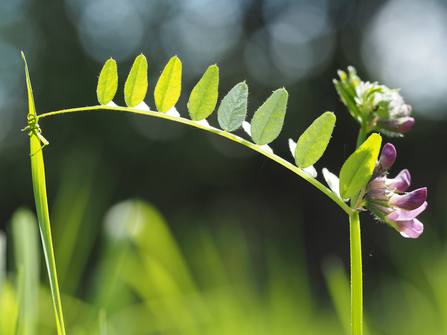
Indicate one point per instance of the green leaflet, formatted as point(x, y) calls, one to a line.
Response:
point(233, 108)
point(108, 82)
point(136, 84)
point(358, 168)
point(312, 144)
point(167, 90)
point(269, 118)
point(203, 97)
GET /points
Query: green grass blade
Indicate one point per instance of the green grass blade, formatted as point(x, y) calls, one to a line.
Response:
point(233, 109)
point(26, 251)
point(40, 196)
point(269, 118)
point(203, 97)
point(339, 290)
point(358, 168)
point(2, 260)
point(108, 82)
point(102, 322)
point(312, 144)
point(168, 88)
point(135, 88)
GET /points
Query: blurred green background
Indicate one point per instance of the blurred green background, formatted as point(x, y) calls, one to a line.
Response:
point(243, 242)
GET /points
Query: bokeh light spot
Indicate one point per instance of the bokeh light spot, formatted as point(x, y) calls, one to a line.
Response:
point(405, 45)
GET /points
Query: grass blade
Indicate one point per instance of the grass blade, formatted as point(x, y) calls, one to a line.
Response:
point(108, 82)
point(40, 196)
point(26, 251)
point(168, 88)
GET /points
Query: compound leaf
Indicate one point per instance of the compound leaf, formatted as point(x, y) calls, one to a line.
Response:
point(136, 84)
point(167, 90)
point(203, 97)
point(313, 142)
point(233, 108)
point(108, 82)
point(269, 118)
point(358, 168)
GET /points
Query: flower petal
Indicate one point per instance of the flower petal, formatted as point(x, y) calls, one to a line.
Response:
point(405, 124)
point(401, 182)
point(409, 201)
point(388, 156)
point(411, 229)
point(403, 215)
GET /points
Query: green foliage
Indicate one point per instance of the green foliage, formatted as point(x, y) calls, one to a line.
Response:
point(108, 82)
point(203, 98)
point(269, 118)
point(136, 84)
point(26, 252)
point(158, 271)
point(167, 90)
point(313, 142)
point(40, 197)
point(358, 168)
point(233, 108)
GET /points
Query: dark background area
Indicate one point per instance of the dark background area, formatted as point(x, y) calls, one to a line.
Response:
point(192, 176)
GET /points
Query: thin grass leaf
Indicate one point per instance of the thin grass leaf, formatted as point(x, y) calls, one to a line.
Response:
point(40, 196)
point(26, 251)
point(233, 108)
point(108, 82)
point(168, 88)
point(358, 168)
point(313, 142)
point(136, 84)
point(269, 118)
point(102, 322)
point(9, 309)
point(203, 97)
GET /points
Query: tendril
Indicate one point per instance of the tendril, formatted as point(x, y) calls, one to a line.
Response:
point(34, 129)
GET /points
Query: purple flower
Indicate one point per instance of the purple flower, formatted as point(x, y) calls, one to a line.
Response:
point(405, 221)
point(401, 182)
point(387, 199)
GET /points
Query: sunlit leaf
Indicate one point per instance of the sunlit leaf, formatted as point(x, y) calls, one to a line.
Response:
point(313, 142)
point(136, 84)
point(40, 197)
point(269, 118)
point(233, 109)
point(203, 97)
point(167, 90)
point(358, 168)
point(108, 82)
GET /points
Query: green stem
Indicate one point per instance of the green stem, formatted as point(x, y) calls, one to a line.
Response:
point(223, 133)
point(356, 275)
point(362, 132)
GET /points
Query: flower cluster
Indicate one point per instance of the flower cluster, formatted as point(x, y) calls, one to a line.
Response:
point(376, 106)
point(388, 200)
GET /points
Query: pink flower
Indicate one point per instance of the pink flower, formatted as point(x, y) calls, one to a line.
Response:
point(405, 222)
point(387, 199)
